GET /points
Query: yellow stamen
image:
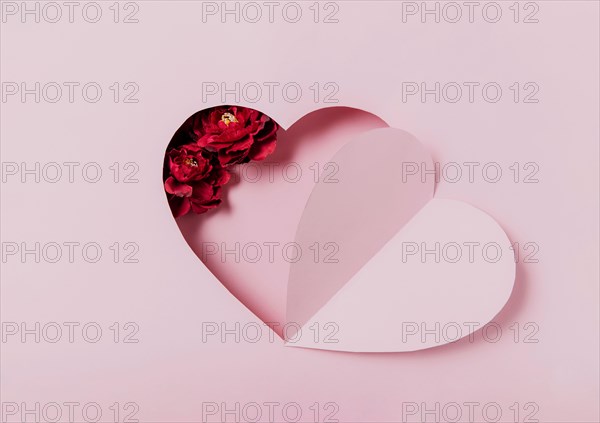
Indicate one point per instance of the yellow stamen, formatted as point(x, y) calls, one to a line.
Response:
point(190, 161)
point(228, 118)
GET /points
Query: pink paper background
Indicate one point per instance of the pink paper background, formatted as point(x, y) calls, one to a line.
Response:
point(169, 294)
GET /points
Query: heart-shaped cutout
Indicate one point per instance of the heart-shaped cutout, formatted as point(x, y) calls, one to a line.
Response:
point(297, 235)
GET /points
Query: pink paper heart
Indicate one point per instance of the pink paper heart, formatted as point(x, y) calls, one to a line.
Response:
point(412, 272)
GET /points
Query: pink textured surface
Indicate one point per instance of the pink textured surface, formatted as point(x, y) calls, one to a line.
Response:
point(170, 294)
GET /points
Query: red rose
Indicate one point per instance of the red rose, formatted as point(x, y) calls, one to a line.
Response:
point(194, 180)
point(236, 134)
point(187, 163)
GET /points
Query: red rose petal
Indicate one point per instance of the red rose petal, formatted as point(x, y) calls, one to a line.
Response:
point(172, 186)
point(262, 150)
point(179, 206)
